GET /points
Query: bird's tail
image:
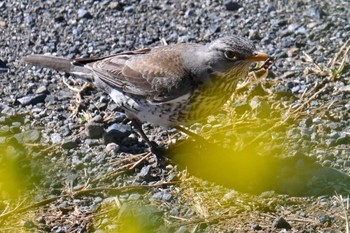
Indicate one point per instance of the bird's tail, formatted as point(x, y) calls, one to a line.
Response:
point(59, 64)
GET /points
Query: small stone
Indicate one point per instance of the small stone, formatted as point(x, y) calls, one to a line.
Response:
point(130, 140)
point(256, 227)
point(3, 66)
point(116, 132)
point(29, 136)
point(120, 117)
point(157, 196)
point(281, 223)
point(134, 196)
point(41, 90)
point(69, 144)
point(4, 129)
point(112, 148)
point(56, 138)
point(116, 6)
point(232, 5)
point(145, 172)
point(94, 130)
point(325, 220)
point(167, 196)
point(32, 99)
point(129, 8)
point(82, 13)
point(76, 162)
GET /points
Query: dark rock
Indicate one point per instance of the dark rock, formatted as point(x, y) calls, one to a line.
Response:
point(29, 136)
point(3, 66)
point(120, 117)
point(280, 222)
point(343, 139)
point(232, 5)
point(94, 130)
point(116, 132)
point(32, 99)
point(68, 144)
point(256, 227)
point(130, 140)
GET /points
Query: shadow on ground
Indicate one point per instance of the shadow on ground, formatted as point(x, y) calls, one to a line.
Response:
point(250, 172)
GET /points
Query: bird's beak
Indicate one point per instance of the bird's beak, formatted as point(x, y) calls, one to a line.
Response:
point(258, 57)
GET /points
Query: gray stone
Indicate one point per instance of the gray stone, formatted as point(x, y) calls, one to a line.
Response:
point(69, 144)
point(32, 99)
point(94, 130)
point(30, 136)
point(56, 138)
point(116, 132)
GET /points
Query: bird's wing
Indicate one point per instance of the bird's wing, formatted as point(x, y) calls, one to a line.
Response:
point(159, 74)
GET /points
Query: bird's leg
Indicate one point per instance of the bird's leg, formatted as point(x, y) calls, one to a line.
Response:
point(189, 133)
point(152, 145)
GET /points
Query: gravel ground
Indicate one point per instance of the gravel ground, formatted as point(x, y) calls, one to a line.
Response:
point(277, 157)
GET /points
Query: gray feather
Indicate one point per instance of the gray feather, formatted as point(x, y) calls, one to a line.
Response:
point(59, 64)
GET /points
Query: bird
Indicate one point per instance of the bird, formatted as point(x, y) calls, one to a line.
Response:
point(172, 85)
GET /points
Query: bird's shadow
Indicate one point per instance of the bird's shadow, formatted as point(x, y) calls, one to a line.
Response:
point(250, 172)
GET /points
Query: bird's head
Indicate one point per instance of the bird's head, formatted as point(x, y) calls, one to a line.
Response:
point(233, 54)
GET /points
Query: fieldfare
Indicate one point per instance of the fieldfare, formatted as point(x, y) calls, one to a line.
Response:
point(170, 86)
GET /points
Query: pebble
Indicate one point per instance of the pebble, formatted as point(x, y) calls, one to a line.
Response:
point(82, 13)
point(281, 223)
point(94, 130)
point(116, 132)
point(3, 66)
point(56, 138)
point(112, 148)
point(68, 144)
point(29, 136)
point(231, 5)
point(32, 99)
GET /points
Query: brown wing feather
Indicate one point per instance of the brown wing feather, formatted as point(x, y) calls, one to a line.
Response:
point(156, 73)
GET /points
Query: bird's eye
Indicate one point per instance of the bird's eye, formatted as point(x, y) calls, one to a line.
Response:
point(231, 55)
